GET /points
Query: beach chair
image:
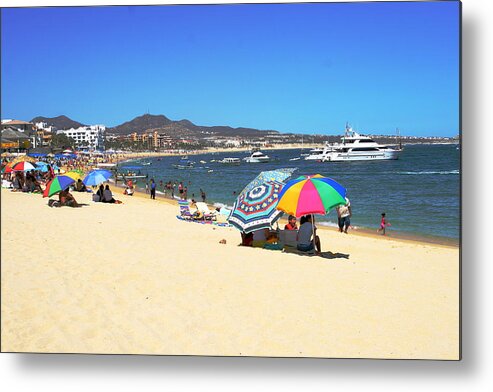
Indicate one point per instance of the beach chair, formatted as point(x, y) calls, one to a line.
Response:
point(204, 209)
point(288, 237)
point(185, 212)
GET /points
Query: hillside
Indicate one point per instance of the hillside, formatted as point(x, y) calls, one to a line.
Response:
point(186, 128)
point(60, 122)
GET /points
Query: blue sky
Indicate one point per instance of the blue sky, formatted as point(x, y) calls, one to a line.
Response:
point(304, 68)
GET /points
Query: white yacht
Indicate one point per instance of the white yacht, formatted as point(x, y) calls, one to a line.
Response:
point(317, 154)
point(230, 161)
point(356, 147)
point(257, 157)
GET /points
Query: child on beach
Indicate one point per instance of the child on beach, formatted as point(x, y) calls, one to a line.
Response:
point(383, 224)
point(343, 216)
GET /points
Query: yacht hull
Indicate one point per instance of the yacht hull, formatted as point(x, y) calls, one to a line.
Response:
point(360, 156)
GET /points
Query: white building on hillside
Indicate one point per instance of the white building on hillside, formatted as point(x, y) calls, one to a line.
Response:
point(44, 126)
point(91, 136)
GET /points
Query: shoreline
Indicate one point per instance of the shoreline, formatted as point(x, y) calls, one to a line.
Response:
point(360, 231)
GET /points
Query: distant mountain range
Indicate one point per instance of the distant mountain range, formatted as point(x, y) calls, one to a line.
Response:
point(60, 122)
point(162, 124)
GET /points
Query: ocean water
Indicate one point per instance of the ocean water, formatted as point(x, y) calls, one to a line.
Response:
point(419, 192)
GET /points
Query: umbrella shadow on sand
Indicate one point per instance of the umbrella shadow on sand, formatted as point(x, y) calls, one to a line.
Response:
point(324, 255)
point(56, 203)
point(330, 255)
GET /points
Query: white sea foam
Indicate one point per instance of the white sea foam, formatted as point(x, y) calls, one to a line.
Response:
point(430, 172)
point(332, 224)
point(222, 205)
point(325, 223)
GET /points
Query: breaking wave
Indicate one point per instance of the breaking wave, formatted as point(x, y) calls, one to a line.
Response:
point(429, 172)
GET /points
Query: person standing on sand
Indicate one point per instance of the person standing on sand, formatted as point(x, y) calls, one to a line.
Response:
point(153, 189)
point(383, 224)
point(343, 215)
point(180, 190)
point(147, 188)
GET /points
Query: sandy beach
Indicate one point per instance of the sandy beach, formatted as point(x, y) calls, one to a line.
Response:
point(133, 279)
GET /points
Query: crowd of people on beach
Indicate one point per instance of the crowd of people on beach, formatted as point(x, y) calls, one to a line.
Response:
point(170, 189)
point(303, 237)
point(36, 180)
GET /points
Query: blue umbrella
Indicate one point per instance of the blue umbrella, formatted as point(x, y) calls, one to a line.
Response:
point(96, 177)
point(42, 166)
point(256, 209)
point(278, 175)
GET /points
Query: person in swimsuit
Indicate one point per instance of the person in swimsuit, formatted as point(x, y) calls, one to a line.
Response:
point(67, 199)
point(383, 224)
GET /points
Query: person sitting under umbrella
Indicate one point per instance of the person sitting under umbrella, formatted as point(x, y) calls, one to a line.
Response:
point(260, 237)
point(80, 186)
point(291, 223)
point(305, 243)
point(67, 199)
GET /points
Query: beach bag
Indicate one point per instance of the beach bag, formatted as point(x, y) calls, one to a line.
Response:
point(53, 203)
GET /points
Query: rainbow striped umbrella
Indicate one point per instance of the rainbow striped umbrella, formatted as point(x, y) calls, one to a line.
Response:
point(311, 195)
point(59, 183)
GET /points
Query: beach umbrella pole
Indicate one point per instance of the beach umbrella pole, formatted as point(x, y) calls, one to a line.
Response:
point(313, 231)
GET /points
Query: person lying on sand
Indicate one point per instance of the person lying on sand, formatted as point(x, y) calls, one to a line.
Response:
point(67, 199)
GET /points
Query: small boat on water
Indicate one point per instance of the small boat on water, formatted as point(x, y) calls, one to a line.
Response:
point(230, 161)
point(129, 173)
point(202, 162)
point(146, 163)
point(316, 154)
point(107, 165)
point(257, 157)
point(184, 163)
point(295, 159)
